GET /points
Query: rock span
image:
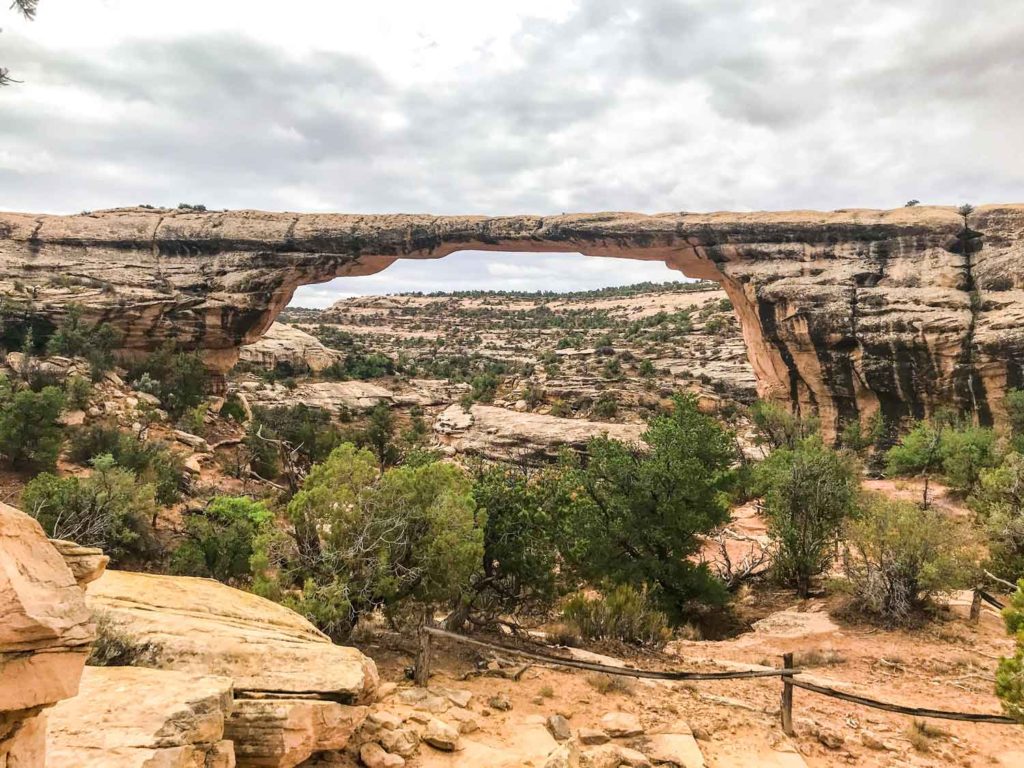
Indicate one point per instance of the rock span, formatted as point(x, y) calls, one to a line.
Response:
point(844, 313)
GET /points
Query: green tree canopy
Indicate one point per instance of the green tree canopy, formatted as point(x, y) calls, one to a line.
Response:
point(637, 513)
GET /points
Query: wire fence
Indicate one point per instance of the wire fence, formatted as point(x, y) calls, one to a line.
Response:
point(788, 674)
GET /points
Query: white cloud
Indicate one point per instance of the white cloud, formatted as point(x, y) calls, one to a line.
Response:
point(538, 106)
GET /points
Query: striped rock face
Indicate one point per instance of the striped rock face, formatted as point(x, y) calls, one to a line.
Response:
point(844, 313)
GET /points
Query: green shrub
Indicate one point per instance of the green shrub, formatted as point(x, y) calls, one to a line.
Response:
point(809, 491)
point(109, 509)
point(233, 409)
point(636, 516)
point(151, 461)
point(366, 539)
point(606, 406)
point(74, 338)
point(30, 433)
point(77, 392)
point(623, 614)
point(219, 539)
point(1010, 673)
point(1000, 504)
point(960, 453)
point(307, 429)
point(779, 428)
point(899, 556)
point(178, 379)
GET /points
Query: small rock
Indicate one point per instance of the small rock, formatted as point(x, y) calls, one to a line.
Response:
point(386, 720)
point(593, 736)
point(373, 755)
point(441, 736)
point(632, 758)
point(401, 741)
point(565, 756)
point(467, 722)
point(148, 399)
point(829, 738)
point(457, 697)
point(500, 703)
point(621, 724)
point(559, 728)
point(872, 741)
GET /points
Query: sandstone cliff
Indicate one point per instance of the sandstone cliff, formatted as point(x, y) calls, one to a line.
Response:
point(845, 312)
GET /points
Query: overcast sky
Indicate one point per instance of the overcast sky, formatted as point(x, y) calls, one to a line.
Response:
point(533, 106)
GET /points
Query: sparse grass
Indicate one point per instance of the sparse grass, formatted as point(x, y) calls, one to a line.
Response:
point(115, 648)
point(922, 733)
point(547, 692)
point(610, 684)
point(818, 657)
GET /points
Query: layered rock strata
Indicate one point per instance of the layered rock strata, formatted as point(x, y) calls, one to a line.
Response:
point(295, 693)
point(45, 633)
point(844, 313)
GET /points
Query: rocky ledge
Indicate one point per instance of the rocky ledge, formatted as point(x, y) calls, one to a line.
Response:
point(845, 312)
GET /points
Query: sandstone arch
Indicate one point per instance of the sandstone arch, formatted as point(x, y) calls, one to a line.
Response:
point(843, 312)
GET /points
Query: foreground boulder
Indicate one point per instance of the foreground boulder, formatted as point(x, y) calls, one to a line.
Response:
point(296, 693)
point(127, 717)
point(205, 627)
point(45, 632)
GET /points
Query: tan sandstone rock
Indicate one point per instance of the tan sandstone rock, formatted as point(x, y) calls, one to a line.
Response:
point(86, 563)
point(286, 345)
point(127, 717)
point(498, 433)
point(281, 733)
point(204, 627)
point(45, 632)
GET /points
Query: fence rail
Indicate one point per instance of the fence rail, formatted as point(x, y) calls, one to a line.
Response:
point(787, 673)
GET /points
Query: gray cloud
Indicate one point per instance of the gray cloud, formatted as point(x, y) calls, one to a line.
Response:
point(648, 105)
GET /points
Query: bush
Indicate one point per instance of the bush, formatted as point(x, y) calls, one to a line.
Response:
point(520, 555)
point(623, 614)
point(606, 406)
point(1000, 504)
point(1010, 673)
point(308, 429)
point(152, 462)
point(30, 434)
point(108, 509)
point(178, 379)
point(779, 428)
point(367, 540)
point(636, 517)
point(96, 343)
point(899, 556)
point(219, 539)
point(959, 452)
point(809, 492)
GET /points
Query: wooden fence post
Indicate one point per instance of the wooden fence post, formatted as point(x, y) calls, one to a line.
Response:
point(976, 607)
point(421, 672)
point(787, 696)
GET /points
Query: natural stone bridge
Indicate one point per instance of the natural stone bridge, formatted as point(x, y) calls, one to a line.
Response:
point(843, 312)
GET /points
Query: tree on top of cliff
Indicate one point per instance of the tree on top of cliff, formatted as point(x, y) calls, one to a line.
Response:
point(28, 9)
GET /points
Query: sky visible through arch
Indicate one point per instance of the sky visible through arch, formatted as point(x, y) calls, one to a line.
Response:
point(534, 107)
point(476, 270)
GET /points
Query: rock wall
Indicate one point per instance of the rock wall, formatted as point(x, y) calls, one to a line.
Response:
point(844, 313)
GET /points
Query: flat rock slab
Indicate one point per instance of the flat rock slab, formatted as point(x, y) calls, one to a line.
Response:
point(204, 627)
point(128, 717)
point(520, 744)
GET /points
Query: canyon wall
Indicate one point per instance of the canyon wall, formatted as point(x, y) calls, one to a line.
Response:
point(843, 313)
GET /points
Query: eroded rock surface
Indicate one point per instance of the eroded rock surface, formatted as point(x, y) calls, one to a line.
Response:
point(45, 632)
point(289, 348)
point(849, 311)
point(128, 717)
point(501, 434)
point(296, 694)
